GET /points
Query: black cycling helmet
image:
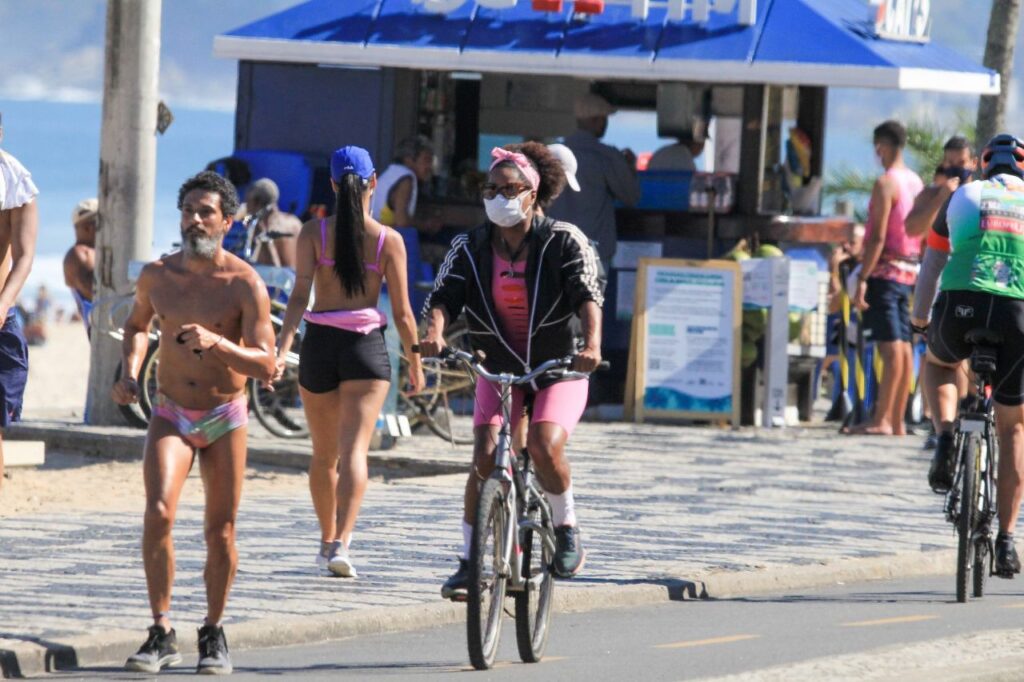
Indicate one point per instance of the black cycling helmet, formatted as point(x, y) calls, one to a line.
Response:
point(1004, 153)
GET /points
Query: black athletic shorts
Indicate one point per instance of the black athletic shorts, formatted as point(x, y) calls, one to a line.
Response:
point(958, 312)
point(330, 356)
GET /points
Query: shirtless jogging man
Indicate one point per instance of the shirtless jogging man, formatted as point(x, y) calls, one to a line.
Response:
point(19, 218)
point(215, 317)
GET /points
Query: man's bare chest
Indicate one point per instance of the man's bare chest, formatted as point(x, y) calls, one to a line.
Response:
point(212, 305)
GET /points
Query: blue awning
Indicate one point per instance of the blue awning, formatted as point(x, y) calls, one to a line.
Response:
point(793, 42)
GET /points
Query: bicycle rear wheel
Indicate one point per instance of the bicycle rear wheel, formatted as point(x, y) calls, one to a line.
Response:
point(965, 554)
point(488, 575)
point(445, 405)
point(533, 604)
point(280, 411)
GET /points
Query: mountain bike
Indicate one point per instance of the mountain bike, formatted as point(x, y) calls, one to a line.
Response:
point(971, 501)
point(513, 543)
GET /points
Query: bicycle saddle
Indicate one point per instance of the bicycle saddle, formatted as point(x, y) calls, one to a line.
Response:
point(983, 337)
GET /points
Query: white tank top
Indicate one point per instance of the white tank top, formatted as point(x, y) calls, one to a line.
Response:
point(385, 183)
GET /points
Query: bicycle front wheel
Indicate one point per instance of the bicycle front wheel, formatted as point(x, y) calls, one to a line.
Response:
point(533, 603)
point(965, 554)
point(488, 575)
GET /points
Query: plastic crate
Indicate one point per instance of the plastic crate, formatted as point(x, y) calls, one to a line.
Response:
point(665, 190)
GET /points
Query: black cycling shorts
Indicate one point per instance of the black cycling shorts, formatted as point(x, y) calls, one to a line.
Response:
point(958, 312)
point(330, 356)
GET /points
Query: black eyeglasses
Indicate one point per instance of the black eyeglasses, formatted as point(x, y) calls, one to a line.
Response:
point(491, 190)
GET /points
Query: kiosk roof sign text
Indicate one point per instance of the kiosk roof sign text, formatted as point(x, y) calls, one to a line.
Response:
point(677, 10)
point(908, 20)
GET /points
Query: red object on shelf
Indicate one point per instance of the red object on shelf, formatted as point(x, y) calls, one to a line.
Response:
point(589, 6)
point(547, 5)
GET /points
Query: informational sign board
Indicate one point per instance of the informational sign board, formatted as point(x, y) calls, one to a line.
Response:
point(685, 351)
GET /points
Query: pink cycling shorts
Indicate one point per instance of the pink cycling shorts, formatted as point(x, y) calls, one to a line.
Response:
point(561, 403)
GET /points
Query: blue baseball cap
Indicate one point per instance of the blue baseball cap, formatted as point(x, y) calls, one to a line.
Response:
point(351, 159)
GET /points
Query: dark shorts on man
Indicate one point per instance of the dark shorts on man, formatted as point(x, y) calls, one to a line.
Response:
point(13, 369)
point(888, 315)
point(957, 312)
point(330, 356)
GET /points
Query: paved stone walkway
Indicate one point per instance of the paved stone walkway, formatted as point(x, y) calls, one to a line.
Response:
point(653, 501)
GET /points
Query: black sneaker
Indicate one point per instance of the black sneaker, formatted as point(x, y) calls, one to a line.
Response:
point(213, 651)
point(457, 585)
point(940, 473)
point(569, 554)
point(1007, 561)
point(159, 651)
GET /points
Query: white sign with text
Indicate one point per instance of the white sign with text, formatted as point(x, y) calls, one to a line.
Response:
point(678, 10)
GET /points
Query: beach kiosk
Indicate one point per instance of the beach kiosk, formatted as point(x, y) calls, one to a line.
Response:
point(473, 73)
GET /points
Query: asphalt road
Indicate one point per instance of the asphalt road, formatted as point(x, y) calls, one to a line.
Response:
point(907, 628)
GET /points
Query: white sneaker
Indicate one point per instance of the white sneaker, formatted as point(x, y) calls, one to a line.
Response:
point(340, 565)
point(336, 562)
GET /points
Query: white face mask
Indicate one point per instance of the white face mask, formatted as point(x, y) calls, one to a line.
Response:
point(506, 212)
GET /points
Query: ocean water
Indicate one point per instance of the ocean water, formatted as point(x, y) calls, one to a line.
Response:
point(59, 143)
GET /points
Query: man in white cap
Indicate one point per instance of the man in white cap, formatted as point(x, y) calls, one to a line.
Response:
point(19, 223)
point(569, 164)
point(80, 260)
point(604, 175)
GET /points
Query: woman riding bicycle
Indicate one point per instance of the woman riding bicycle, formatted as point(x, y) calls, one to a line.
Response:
point(344, 370)
point(527, 284)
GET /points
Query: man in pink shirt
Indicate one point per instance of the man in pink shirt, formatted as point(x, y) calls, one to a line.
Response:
point(887, 277)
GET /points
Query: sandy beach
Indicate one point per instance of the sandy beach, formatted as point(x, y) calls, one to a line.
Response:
point(58, 374)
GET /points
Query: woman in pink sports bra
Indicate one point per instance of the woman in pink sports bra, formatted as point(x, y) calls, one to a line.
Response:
point(344, 369)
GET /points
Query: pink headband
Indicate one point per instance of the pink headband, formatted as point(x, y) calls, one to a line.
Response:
point(521, 162)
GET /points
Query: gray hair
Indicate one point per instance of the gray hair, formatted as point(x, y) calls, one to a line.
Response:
point(263, 192)
point(411, 147)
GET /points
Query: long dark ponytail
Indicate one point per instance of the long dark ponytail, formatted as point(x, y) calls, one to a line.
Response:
point(349, 230)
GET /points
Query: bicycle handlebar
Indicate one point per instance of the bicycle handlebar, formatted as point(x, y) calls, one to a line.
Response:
point(473, 361)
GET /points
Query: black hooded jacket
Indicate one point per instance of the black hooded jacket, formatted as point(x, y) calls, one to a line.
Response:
point(562, 273)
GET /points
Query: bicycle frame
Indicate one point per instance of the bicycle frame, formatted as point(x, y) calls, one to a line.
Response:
point(518, 479)
point(977, 416)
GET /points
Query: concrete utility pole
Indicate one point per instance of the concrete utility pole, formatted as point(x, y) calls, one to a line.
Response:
point(1003, 20)
point(127, 178)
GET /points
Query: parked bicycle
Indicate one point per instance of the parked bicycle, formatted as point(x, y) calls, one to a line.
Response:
point(971, 500)
point(445, 405)
point(279, 410)
point(513, 543)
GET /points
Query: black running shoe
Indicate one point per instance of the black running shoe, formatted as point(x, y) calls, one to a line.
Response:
point(569, 554)
point(1007, 561)
point(940, 473)
point(159, 651)
point(457, 585)
point(213, 652)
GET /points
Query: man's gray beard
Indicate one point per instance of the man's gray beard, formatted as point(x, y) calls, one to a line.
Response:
point(196, 246)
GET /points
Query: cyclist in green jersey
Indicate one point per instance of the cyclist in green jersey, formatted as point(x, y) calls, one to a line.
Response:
point(983, 287)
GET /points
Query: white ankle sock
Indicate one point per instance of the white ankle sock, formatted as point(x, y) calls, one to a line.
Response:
point(563, 508)
point(467, 540)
